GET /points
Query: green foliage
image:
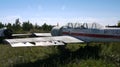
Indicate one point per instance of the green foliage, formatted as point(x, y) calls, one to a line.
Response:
point(1, 25)
point(9, 25)
point(89, 63)
point(17, 25)
point(111, 52)
point(73, 55)
point(20, 27)
point(10, 56)
point(27, 26)
point(74, 47)
point(46, 27)
point(119, 23)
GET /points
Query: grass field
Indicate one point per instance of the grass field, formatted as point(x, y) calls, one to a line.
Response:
point(72, 55)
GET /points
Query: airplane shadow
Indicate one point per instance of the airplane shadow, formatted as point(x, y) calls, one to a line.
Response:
point(65, 56)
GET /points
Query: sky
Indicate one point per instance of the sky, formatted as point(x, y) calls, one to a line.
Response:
point(105, 12)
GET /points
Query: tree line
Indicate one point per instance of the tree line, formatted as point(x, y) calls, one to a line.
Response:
point(26, 26)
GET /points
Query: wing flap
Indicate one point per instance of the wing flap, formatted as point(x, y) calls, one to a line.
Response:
point(41, 34)
point(42, 41)
point(15, 35)
point(27, 44)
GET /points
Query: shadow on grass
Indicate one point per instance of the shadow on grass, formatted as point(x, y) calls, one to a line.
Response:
point(64, 56)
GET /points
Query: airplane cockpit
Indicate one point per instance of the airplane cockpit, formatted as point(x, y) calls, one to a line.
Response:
point(84, 26)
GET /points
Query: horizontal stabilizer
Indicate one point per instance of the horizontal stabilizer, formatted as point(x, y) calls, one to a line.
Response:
point(42, 41)
point(41, 34)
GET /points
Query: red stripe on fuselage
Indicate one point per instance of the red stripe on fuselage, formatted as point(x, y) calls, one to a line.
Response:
point(92, 35)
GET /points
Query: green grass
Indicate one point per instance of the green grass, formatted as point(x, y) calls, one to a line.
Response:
point(11, 56)
point(89, 63)
point(73, 55)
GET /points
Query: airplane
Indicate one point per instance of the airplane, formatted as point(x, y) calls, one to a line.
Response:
point(70, 33)
point(8, 33)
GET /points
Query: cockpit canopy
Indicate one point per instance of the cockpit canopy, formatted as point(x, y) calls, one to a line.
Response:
point(84, 25)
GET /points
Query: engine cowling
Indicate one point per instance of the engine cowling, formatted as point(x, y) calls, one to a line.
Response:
point(56, 31)
point(7, 33)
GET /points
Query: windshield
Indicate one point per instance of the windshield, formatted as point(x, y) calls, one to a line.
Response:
point(84, 25)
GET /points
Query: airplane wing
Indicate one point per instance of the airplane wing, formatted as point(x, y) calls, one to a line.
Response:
point(33, 34)
point(15, 35)
point(41, 34)
point(42, 41)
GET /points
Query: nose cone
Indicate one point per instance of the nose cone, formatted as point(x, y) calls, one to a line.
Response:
point(8, 33)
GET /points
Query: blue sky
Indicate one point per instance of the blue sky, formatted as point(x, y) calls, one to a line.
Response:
point(60, 11)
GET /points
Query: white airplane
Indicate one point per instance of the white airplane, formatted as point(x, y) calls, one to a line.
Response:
point(70, 33)
point(7, 33)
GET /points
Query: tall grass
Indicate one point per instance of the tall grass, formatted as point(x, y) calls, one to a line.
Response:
point(11, 56)
point(72, 55)
point(89, 63)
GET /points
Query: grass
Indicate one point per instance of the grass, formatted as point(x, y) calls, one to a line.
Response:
point(11, 56)
point(89, 63)
point(72, 55)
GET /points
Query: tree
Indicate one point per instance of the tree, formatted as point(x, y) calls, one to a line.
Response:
point(17, 26)
point(36, 26)
point(46, 27)
point(27, 26)
point(50, 27)
point(9, 26)
point(1, 25)
point(119, 23)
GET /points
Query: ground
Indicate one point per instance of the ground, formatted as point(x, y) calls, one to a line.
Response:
point(72, 55)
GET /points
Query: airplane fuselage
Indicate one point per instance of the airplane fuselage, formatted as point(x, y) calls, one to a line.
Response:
point(94, 35)
point(90, 34)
